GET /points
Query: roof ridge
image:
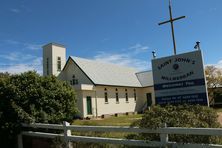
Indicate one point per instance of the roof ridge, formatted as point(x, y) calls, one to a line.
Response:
point(144, 71)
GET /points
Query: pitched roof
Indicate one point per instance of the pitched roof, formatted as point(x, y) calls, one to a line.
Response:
point(145, 78)
point(108, 74)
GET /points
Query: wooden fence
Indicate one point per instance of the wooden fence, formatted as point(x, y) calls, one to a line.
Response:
point(163, 132)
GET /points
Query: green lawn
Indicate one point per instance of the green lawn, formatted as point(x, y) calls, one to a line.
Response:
point(123, 120)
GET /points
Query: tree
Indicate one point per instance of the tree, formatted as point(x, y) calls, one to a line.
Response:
point(214, 80)
point(29, 97)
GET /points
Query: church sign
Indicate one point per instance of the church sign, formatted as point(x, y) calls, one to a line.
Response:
point(180, 79)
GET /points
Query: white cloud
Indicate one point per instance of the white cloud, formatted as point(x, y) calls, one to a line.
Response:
point(15, 69)
point(34, 64)
point(138, 48)
point(37, 64)
point(12, 42)
point(220, 62)
point(19, 62)
point(17, 56)
point(32, 46)
point(14, 10)
point(217, 65)
point(123, 60)
point(128, 57)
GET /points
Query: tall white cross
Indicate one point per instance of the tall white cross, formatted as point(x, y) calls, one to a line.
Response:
point(172, 28)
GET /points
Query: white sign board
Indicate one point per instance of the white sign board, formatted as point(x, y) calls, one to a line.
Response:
point(180, 79)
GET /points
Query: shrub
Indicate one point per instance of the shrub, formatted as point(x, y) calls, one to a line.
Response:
point(29, 97)
point(180, 116)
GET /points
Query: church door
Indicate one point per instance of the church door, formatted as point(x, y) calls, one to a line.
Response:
point(89, 105)
point(149, 99)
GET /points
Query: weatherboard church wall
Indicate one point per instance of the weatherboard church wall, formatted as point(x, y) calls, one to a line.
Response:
point(73, 70)
point(67, 75)
point(85, 88)
point(146, 90)
point(112, 106)
point(99, 106)
point(97, 94)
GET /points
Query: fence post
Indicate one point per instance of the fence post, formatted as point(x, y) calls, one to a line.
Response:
point(20, 142)
point(164, 137)
point(66, 134)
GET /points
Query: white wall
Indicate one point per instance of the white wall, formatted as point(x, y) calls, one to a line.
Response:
point(47, 53)
point(143, 98)
point(93, 99)
point(72, 69)
point(79, 96)
point(53, 51)
point(99, 107)
point(112, 106)
point(66, 75)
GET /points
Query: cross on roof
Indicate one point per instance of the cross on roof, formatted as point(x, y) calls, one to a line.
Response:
point(172, 28)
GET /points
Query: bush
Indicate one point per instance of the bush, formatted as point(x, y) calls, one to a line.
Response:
point(179, 116)
point(29, 97)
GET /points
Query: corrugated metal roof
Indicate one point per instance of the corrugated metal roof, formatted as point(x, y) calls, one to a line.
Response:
point(145, 78)
point(108, 74)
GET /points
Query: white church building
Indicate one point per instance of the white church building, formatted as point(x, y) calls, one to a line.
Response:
point(101, 88)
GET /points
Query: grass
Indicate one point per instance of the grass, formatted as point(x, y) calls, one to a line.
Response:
point(123, 120)
point(219, 110)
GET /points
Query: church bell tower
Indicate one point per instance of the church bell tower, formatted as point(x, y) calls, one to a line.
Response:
point(54, 59)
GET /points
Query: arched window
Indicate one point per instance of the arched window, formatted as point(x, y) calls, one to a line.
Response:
point(74, 81)
point(106, 95)
point(117, 96)
point(58, 63)
point(126, 93)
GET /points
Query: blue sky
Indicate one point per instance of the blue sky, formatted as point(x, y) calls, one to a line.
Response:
point(123, 32)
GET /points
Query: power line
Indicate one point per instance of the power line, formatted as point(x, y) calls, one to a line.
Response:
point(24, 64)
point(20, 64)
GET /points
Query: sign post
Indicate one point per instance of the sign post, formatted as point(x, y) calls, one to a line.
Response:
point(180, 79)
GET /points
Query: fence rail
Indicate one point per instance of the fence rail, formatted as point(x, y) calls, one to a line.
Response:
point(163, 132)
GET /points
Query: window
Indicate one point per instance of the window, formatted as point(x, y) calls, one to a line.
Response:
point(59, 64)
point(127, 100)
point(134, 94)
point(47, 66)
point(117, 96)
point(74, 81)
point(106, 95)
